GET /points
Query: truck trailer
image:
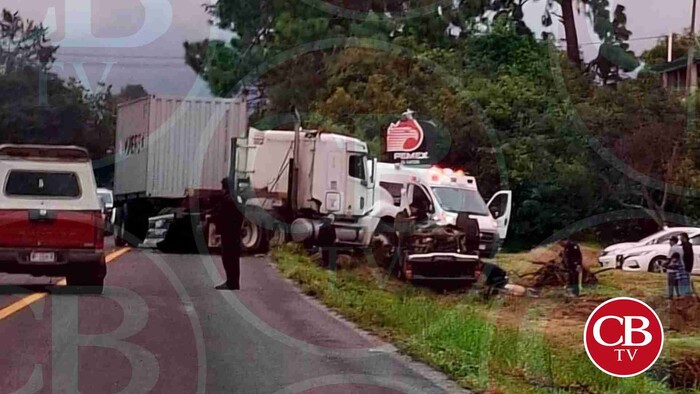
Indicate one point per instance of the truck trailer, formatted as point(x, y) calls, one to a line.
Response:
point(171, 154)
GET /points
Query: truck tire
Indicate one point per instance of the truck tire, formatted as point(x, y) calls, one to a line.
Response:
point(135, 216)
point(253, 238)
point(384, 244)
point(119, 227)
point(277, 236)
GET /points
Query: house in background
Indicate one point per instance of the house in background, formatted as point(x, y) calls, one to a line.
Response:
point(675, 73)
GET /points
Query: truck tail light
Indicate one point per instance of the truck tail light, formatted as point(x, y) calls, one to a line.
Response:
point(408, 270)
point(98, 226)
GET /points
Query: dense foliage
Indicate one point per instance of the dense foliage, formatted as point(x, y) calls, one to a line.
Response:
point(518, 114)
point(37, 106)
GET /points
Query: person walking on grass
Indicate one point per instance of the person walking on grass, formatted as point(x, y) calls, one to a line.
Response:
point(228, 218)
point(573, 261)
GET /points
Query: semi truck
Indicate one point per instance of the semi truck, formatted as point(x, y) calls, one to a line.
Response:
point(170, 156)
point(299, 181)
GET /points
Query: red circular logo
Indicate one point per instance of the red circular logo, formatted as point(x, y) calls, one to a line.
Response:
point(623, 337)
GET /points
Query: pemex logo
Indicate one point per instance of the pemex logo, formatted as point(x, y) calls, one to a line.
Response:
point(623, 337)
point(406, 135)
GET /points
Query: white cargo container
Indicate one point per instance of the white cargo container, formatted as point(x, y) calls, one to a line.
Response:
point(168, 148)
point(166, 145)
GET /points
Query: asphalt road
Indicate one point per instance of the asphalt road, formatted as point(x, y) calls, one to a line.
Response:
point(161, 327)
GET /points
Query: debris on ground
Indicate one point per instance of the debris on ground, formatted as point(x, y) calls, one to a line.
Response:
point(551, 252)
point(553, 274)
point(681, 374)
point(549, 270)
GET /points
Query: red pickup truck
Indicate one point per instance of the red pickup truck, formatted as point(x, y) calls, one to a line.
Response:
point(50, 215)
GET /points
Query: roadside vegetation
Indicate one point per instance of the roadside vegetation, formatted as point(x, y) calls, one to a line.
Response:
point(506, 344)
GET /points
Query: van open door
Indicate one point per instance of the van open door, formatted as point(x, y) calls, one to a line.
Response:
point(500, 207)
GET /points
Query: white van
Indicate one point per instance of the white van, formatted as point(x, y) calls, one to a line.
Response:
point(447, 193)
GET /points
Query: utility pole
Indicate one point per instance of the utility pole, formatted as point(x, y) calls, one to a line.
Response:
point(692, 76)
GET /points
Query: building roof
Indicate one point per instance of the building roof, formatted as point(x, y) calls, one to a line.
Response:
point(675, 65)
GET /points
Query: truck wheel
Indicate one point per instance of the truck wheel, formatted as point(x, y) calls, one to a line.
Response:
point(277, 236)
point(135, 218)
point(252, 237)
point(382, 249)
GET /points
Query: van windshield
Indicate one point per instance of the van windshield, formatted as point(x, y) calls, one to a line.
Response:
point(42, 184)
point(461, 200)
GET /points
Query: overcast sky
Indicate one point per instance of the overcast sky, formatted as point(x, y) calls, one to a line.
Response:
point(140, 41)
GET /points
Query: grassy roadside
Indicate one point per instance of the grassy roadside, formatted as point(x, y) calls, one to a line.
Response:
point(500, 346)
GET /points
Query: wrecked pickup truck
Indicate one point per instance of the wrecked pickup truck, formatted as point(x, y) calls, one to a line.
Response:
point(430, 252)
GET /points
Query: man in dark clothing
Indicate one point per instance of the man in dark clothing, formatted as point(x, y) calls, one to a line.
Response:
point(688, 255)
point(496, 279)
point(228, 218)
point(572, 260)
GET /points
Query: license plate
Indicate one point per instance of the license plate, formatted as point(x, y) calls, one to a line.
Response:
point(42, 257)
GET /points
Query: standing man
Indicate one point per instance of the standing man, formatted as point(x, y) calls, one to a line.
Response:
point(572, 260)
point(688, 256)
point(688, 263)
point(228, 218)
point(674, 266)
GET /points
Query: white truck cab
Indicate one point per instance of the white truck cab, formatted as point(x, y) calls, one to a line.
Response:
point(335, 184)
point(446, 193)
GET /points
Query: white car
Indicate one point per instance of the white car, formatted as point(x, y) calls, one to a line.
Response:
point(612, 256)
point(650, 258)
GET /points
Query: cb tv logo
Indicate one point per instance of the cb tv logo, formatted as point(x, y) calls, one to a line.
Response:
point(623, 337)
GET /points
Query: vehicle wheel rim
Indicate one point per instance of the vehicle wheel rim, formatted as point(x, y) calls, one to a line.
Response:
point(381, 248)
point(249, 234)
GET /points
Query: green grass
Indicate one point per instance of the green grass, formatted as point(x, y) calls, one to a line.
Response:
point(478, 344)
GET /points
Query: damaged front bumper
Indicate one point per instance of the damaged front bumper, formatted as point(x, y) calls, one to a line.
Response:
point(442, 267)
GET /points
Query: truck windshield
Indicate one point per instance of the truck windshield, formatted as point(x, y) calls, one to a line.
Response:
point(461, 200)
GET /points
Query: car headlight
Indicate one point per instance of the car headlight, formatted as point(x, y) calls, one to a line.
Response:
point(604, 253)
point(637, 254)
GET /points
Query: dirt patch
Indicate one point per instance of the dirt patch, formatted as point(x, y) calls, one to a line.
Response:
point(681, 315)
point(684, 373)
point(578, 309)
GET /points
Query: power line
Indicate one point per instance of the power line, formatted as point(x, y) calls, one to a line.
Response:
point(631, 39)
point(97, 55)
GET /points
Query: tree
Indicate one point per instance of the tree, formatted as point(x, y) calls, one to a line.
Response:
point(614, 54)
point(489, 86)
point(37, 106)
point(131, 92)
point(659, 53)
point(22, 44)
